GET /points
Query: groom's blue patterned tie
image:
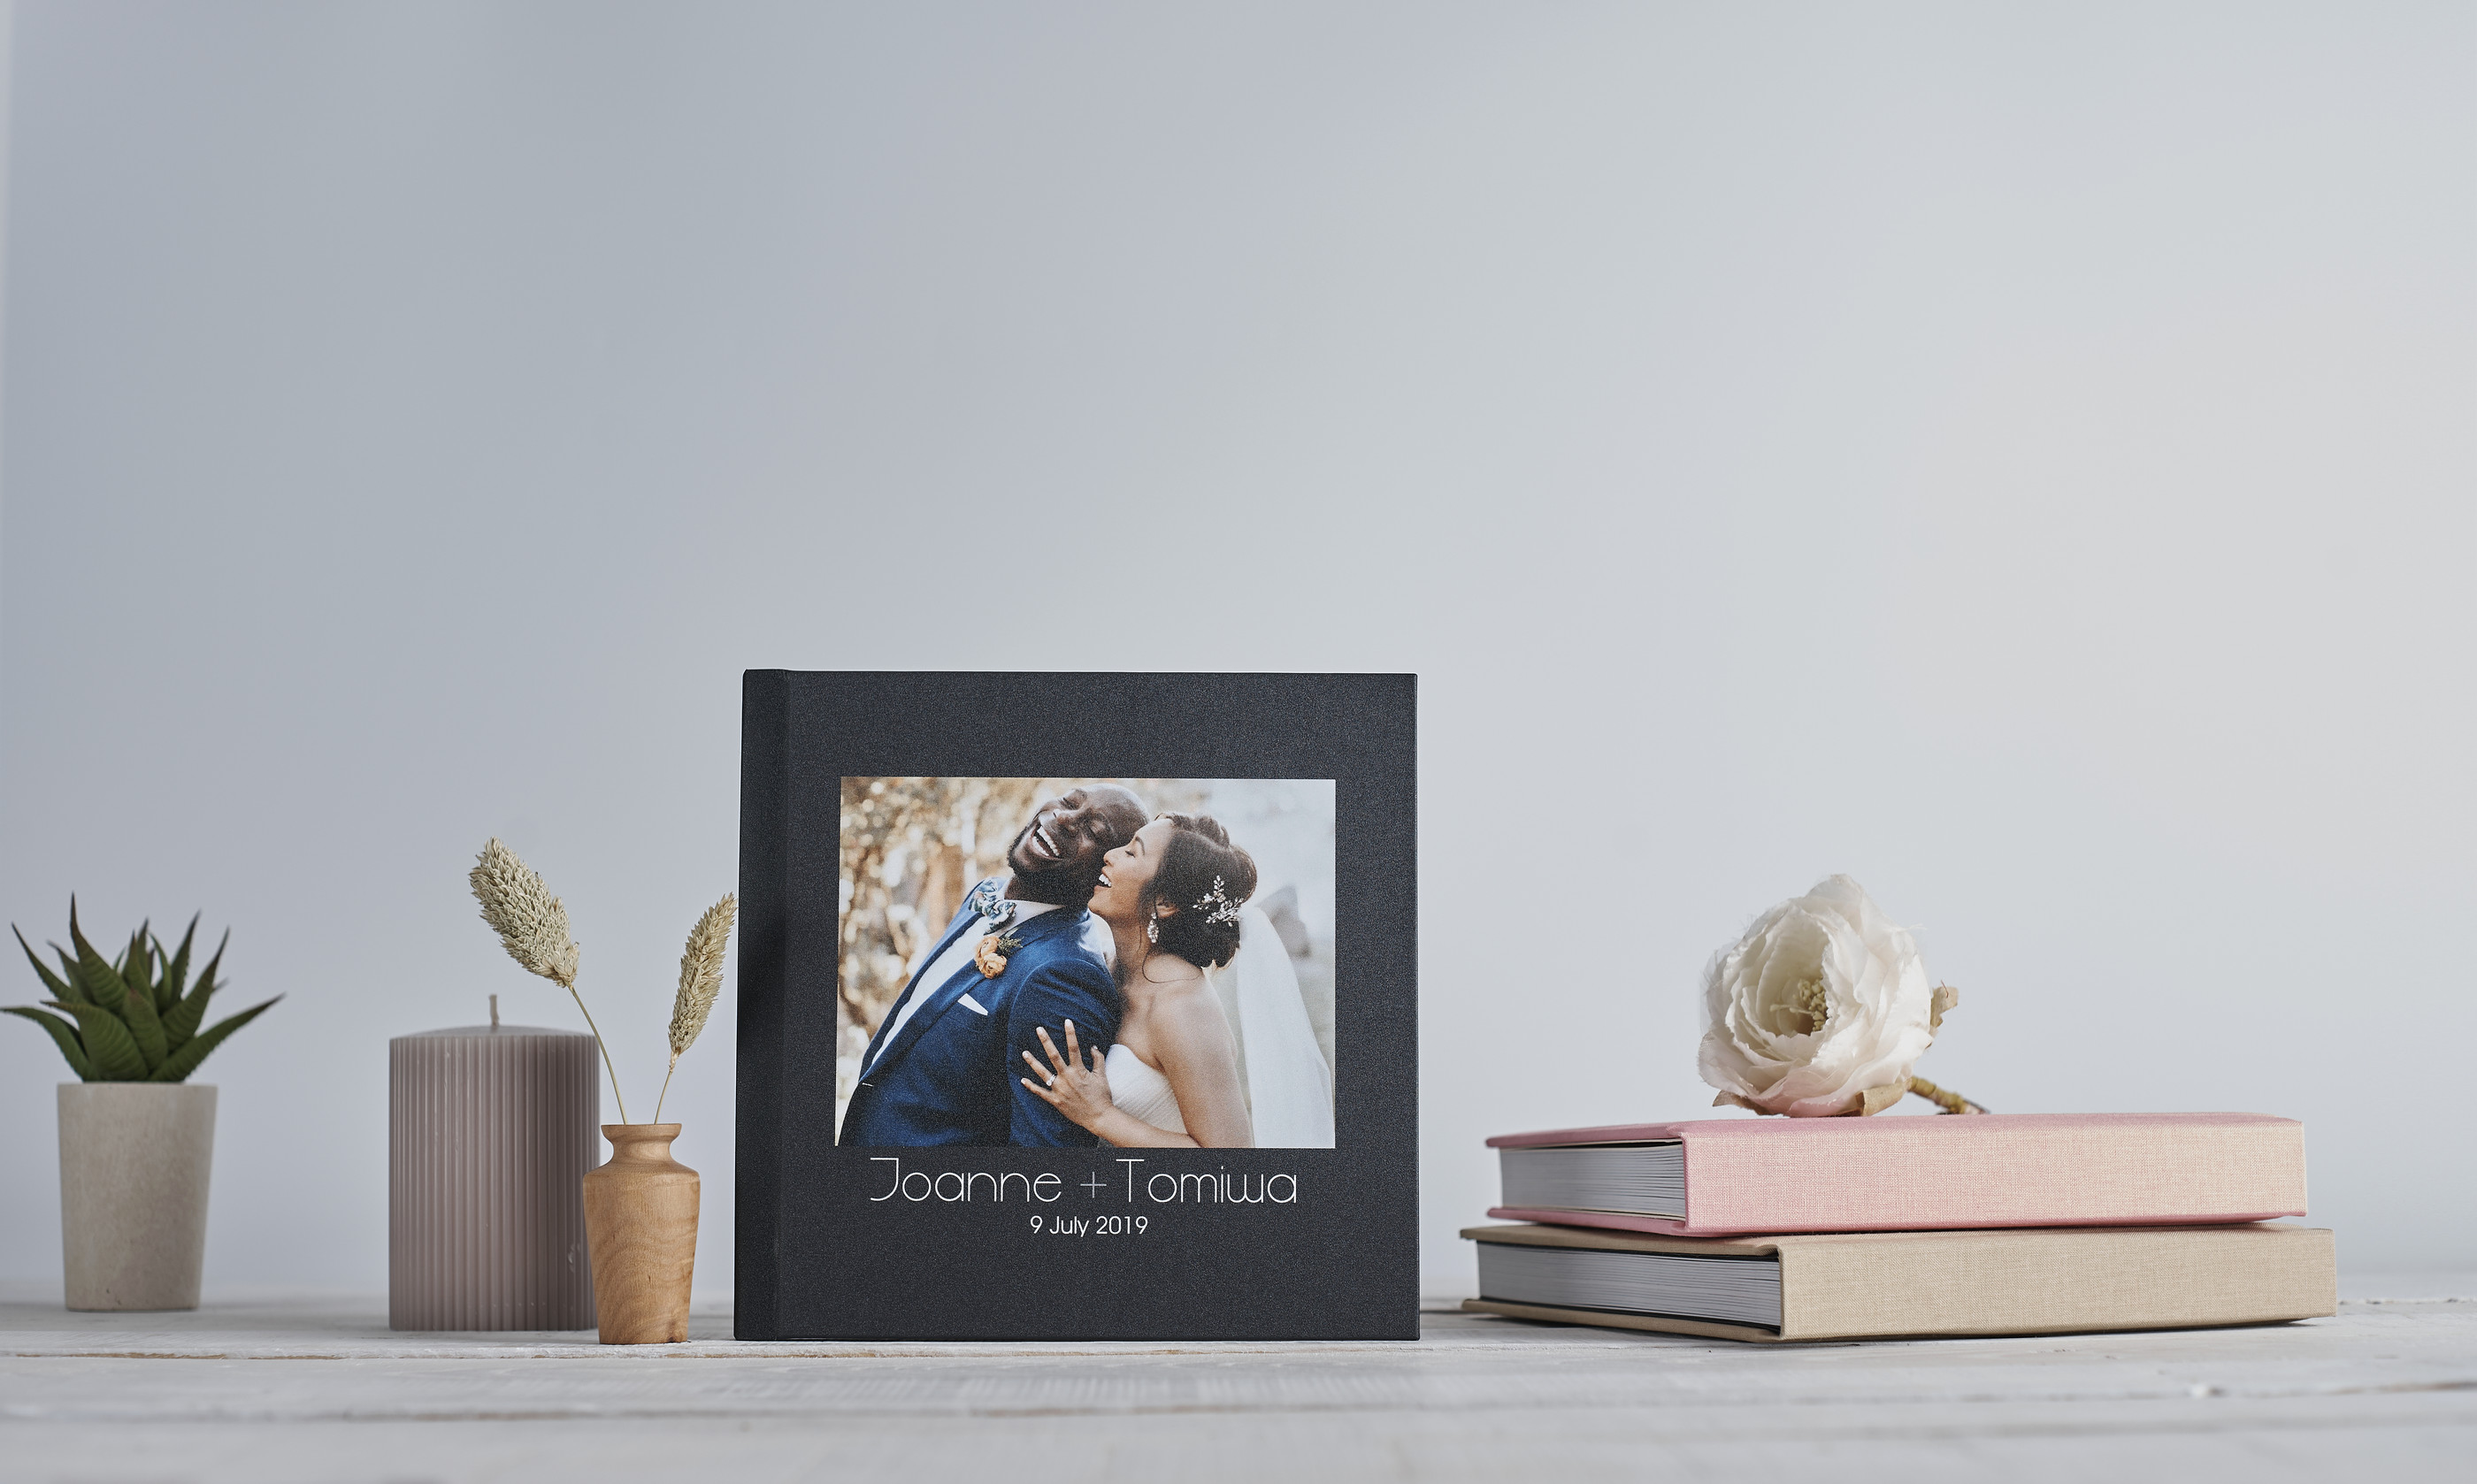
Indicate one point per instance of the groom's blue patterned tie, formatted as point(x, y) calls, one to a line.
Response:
point(994, 910)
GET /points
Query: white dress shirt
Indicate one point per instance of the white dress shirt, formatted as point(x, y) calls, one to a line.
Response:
point(958, 953)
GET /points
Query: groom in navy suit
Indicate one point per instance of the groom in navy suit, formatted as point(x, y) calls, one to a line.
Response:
point(941, 1069)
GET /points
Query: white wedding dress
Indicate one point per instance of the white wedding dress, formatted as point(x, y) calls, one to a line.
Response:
point(1290, 1088)
point(1140, 1092)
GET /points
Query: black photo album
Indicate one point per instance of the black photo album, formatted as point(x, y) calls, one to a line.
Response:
point(1078, 1006)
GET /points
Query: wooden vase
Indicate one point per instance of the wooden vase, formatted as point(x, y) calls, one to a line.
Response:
point(640, 1225)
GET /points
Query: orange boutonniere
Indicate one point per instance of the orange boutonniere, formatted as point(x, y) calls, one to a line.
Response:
point(990, 957)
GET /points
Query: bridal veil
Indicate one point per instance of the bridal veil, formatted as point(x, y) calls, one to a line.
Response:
point(1290, 1088)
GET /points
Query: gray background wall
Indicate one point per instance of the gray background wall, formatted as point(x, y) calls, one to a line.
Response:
point(2018, 456)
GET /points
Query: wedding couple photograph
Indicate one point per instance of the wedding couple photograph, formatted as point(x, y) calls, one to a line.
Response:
point(1141, 963)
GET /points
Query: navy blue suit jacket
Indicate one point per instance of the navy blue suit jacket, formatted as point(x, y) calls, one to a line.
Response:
point(951, 1075)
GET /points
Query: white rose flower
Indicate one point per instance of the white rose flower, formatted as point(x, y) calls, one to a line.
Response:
point(1820, 1009)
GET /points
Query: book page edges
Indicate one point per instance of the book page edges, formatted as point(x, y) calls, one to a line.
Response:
point(1629, 1242)
point(1660, 1225)
point(1656, 1323)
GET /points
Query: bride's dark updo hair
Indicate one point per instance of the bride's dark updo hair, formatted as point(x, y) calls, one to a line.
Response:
point(1199, 851)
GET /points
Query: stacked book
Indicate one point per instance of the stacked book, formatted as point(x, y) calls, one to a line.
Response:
point(1833, 1228)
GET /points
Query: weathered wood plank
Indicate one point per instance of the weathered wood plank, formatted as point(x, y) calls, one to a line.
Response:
point(316, 1389)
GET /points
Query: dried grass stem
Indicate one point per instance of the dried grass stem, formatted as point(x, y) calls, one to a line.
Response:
point(532, 926)
point(700, 983)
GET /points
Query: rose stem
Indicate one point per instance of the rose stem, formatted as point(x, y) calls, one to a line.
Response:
point(1943, 1098)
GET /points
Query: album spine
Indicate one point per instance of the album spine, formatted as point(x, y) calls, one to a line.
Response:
point(764, 855)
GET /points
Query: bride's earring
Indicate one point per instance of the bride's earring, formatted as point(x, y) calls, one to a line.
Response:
point(1152, 930)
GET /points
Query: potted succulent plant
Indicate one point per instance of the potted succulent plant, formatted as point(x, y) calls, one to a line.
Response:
point(137, 1137)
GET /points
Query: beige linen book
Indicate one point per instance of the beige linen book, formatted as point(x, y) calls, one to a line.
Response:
point(1843, 1286)
point(1766, 1177)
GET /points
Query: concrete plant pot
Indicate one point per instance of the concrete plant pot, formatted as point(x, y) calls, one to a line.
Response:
point(135, 1158)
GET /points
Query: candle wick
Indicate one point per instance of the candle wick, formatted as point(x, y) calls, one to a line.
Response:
point(494, 1012)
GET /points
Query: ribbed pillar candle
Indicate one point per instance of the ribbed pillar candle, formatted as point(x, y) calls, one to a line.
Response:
point(490, 1129)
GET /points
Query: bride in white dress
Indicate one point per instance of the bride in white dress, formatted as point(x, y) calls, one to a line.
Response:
point(1174, 899)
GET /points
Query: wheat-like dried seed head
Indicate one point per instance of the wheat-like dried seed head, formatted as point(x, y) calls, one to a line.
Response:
point(530, 922)
point(701, 973)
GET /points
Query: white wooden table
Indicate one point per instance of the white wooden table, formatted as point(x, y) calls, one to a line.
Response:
point(316, 1388)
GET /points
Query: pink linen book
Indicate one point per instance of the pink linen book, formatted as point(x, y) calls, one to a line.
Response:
point(1773, 1176)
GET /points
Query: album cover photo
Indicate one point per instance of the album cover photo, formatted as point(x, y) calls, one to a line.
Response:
point(1086, 962)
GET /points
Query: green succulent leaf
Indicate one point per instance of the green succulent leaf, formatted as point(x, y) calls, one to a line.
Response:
point(108, 1049)
point(62, 1032)
point(176, 969)
point(206, 975)
point(182, 1019)
point(131, 962)
point(69, 967)
point(60, 987)
point(185, 1017)
point(159, 975)
point(145, 1027)
point(180, 1064)
point(101, 981)
point(138, 967)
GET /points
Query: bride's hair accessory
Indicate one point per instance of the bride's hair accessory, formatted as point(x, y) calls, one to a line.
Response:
point(1217, 908)
point(1202, 926)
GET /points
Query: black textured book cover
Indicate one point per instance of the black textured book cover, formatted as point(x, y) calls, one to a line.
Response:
point(904, 838)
